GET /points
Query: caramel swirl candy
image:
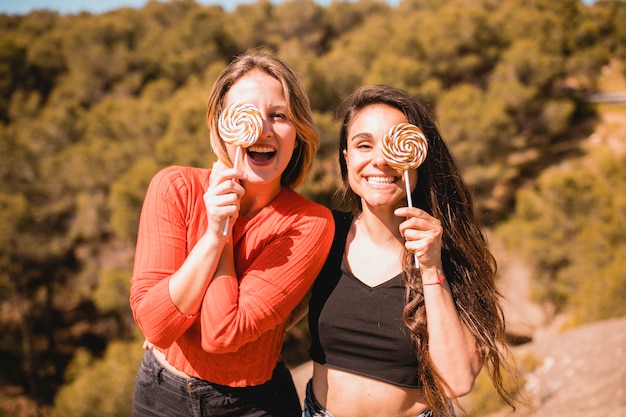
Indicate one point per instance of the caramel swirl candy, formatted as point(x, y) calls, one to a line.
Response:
point(240, 124)
point(405, 146)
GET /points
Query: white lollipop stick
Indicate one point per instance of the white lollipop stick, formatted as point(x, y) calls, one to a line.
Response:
point(240, 124)
point(405, 147)
point(409, 201)
point(237, 157)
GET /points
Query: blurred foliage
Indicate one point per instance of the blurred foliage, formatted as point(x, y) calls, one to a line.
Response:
point(569, 226)
point(483, 400)
point(91, 106)
point(100, 387)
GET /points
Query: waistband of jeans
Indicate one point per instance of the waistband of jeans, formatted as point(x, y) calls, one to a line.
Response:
point(312, 407)
point(278, 370)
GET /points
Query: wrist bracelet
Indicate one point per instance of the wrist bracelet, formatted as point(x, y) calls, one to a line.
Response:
point(441, 278)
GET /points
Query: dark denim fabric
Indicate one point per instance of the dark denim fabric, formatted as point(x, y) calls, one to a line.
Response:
point(312, 408)
point(159, 393)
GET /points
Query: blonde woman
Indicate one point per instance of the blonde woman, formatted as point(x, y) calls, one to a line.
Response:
point(213, 305)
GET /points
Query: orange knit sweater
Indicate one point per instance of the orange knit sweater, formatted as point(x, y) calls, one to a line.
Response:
point(237, 336)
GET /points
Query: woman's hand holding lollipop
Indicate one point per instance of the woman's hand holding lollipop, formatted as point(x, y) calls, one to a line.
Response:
point(405, 147)
point(240, 124)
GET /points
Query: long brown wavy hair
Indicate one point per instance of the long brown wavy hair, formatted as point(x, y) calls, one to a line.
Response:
point(468, 264)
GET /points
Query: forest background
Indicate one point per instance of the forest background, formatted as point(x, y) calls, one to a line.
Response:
point(92, 105)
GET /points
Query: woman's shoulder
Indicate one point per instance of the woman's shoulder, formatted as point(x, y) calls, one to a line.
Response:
point(291, 211)
point(290, 201)
point(189, 172)
point(177, 176)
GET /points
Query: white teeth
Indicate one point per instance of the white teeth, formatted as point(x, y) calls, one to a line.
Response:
point(261, 149)
point(380, 180)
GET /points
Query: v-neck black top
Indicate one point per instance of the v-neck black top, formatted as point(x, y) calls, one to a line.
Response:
point(358, 328)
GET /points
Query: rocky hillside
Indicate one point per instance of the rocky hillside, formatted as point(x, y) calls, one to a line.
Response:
point(581, 371)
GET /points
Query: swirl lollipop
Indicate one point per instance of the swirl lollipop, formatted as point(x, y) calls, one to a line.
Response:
point(240, 124)
point(405, 147)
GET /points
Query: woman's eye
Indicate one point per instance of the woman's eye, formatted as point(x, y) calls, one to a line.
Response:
point(278, 116)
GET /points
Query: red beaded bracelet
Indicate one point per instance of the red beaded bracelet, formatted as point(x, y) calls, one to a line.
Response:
point(440, 281)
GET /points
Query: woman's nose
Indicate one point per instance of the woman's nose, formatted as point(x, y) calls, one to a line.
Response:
point(267, 128)
point(378, 159)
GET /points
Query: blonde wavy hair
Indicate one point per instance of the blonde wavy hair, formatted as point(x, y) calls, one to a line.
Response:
point(298, 107)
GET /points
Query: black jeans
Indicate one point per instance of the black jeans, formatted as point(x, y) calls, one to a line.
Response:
point(160, 393)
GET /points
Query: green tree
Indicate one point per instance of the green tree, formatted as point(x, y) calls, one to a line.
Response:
point(569, 227)
point(100, 387)
point(353, 53)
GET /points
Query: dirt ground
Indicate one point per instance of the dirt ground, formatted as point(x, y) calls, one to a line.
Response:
point(583, 372)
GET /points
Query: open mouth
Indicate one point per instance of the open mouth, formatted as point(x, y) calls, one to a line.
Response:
point(261, 153)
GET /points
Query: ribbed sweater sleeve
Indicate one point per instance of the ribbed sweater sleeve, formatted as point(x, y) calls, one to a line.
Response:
point(161, 249)
point(285, 247)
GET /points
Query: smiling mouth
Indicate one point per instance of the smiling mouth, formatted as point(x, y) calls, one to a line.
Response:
point(381, 180)
point(261, 153)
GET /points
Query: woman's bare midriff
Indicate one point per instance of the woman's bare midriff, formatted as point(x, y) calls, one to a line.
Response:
point(345, 394)
point(161, 358)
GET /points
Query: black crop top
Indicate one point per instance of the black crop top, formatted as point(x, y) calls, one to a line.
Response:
point(358, 328)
